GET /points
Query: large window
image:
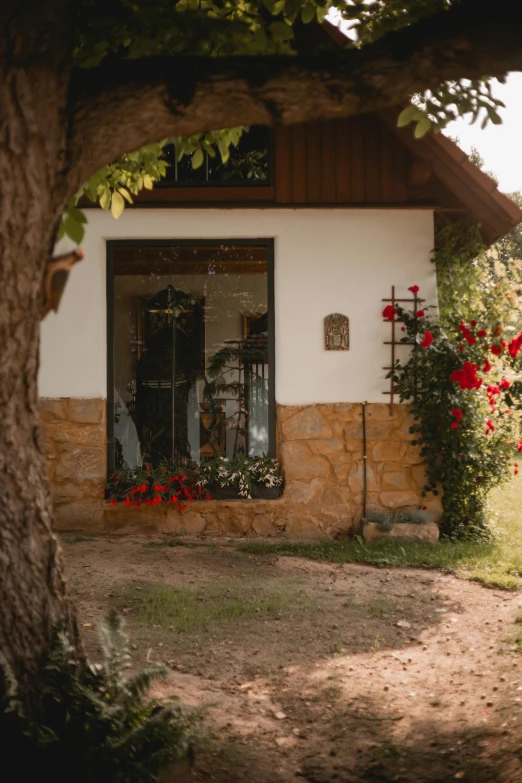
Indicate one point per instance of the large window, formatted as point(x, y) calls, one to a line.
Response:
point(190, 332)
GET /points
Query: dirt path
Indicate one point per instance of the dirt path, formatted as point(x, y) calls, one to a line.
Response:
point(314, 672)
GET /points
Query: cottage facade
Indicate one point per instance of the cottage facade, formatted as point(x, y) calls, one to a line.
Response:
point(342, 214)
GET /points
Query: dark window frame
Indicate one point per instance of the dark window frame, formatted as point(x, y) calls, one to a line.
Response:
point(111, 244)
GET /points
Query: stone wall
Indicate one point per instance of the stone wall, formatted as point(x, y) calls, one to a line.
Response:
point(321, 452)
point(74, 441)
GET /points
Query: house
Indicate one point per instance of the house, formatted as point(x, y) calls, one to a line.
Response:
point(333, 216)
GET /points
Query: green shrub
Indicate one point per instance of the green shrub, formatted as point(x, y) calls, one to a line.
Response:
point(90, 723)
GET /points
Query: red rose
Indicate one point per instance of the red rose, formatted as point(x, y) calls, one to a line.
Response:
point(457, 412)
point(414, 289)
point(428, 339)
point(486, 367)
point(493, 390)
point(496, 349)
point(461, 348)
point(519, 445)
point(389, 312)
point(454, 425)
point(504, 384)
point(420, 314)
point(473, 323)
point(467, 377)
point(515, 345)
point(482, 333)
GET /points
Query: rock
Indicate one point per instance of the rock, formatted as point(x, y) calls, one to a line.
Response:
point(399, 499)
point(403, 624)
point(388, 451)
point(300, 463)
point(395, 481)
point(308, 424)
point(279, 715)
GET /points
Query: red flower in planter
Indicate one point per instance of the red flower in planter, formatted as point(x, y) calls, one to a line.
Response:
point(389, 312)
point(113, 502)
point(428, 339)
point(414, 289)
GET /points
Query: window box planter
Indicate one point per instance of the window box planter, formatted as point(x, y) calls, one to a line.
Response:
point(427, 533)
point(231, 493)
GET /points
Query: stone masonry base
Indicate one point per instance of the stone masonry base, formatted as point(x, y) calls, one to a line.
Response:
point(321, 452)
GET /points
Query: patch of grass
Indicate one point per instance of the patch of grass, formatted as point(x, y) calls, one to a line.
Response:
point(188, 611)
point(496, 564)
point(380, 607)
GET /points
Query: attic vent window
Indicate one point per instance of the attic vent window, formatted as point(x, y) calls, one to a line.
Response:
point(249, 164)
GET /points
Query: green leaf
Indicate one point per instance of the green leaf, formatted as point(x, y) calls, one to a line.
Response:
point(198, 158)
point(407, 115)
point(105, 199)
point(73, 229)
point(117, 205)
point(308, 13)
point(147, 182)
point(422, 127)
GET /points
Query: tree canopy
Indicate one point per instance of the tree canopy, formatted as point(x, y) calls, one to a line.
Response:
point(180, 56)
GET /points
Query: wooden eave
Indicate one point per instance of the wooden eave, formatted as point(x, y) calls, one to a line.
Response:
point(474, 189)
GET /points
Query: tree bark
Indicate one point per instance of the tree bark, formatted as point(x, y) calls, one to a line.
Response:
point(33, 192)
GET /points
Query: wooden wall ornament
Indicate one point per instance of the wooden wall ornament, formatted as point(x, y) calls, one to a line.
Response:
point(336, 332)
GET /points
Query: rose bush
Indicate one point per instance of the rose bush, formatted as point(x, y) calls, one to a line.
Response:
point(460, 387)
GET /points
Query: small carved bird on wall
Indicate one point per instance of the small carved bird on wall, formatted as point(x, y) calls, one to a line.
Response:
point(56, 274)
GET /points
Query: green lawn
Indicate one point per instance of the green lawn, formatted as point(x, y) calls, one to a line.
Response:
point(498, 564)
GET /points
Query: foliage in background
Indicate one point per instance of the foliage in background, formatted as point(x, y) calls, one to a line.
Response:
point(138, 28)
point(92, 723)
point(458, 383)
point(180, 486)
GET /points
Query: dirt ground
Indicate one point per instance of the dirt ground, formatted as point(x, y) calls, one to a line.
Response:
point(309, 671)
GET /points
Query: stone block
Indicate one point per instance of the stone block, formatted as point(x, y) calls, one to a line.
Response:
point(412, 455)
point(379, 430)
point(353, 431)
point(378, 411)
point(53, 408)
point(300, 463)
point(327, 446)
point(78, 434)
point(308, 424)
point(79, 464)
point(305, 528)
point(190, 522)
point(354, 446)
point(397, 480)
point(86, 410)
point(399, 499)
point(79, 515)
point(347, 411)
point(418, 473)
point(426, 533)
point(303, 492)
point(388, 451)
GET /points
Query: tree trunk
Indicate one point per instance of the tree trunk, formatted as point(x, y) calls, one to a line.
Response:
point(33, 191)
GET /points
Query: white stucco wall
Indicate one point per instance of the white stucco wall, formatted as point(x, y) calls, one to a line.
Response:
point(326, 261)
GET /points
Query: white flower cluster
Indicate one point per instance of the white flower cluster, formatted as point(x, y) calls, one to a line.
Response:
point(241, 472)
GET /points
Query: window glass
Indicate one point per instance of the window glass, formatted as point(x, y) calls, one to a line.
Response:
point(191, 336)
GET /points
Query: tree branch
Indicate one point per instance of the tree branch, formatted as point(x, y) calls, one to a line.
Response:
point(124, 104)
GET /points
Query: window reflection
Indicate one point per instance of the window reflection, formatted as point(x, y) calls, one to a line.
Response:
point(191, 353)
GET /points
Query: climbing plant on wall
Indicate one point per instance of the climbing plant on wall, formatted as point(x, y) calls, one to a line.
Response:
point(464, 419)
